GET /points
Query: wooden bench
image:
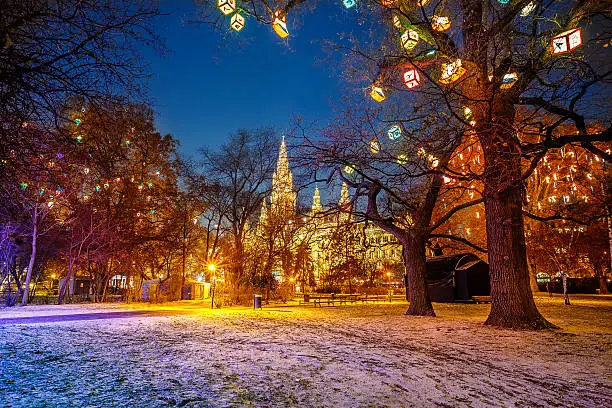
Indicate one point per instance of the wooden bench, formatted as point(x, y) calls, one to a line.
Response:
point(482, 299)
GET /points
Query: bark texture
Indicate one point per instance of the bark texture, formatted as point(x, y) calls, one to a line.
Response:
point(415, 263)
point(512, 303)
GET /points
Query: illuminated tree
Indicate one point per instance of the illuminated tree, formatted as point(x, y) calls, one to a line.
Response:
point(508, 62)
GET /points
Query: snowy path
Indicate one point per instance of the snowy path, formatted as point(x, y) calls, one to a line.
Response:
point(361, 356)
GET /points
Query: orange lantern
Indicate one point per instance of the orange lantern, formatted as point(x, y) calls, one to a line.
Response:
point(440, 23)
point(451, 72)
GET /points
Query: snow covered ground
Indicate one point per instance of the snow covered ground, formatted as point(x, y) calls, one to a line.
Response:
point(352, 356)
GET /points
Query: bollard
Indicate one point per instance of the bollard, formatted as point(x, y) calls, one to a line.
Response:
point(256, 301)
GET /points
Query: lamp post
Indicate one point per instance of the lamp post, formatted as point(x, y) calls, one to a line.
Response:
point(213, 281)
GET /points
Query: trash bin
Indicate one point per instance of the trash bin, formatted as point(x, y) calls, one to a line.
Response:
point(306, 298)
point(256, 301)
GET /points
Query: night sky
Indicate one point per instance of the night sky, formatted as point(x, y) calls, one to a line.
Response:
point(204, 90)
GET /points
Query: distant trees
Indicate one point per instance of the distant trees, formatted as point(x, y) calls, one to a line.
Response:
point(233, 182)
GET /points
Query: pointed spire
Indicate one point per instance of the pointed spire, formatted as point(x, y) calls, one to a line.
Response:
point(283, 195)
point(316, 201)
point(344, 195)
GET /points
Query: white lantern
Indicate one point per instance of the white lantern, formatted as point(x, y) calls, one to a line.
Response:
point(237, 22)
point(349, 3)
point(567, 41)
point(508, 80)
point(227, 6)
point(412, 79)
point(409, 39)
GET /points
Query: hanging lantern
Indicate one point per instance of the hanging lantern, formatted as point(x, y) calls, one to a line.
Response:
point(86, 170)
point(422, 2)
point(412, 79)
point(377, 93)
point(23, 186)
point(349, 169)
point(567, 41)
point(503, 1)
point(387, 3)
point(394, 132)
point(374, 146)
point(77, 122)
point(79, 139)
point(237, 22)
point(349, 3)
point(467, 112)
point(451, 72)
point(280, 25)
point(397, 23)
point(409, 39)
point(402, 159)
point(227, 6)
point(440, 23)
point(508, 80)
point(528, 9)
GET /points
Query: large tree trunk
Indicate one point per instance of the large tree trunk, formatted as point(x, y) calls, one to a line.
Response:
point(512, 303)
point(414, 261)
point(26, 290)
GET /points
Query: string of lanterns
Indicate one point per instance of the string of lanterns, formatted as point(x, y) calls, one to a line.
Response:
point(453, 71)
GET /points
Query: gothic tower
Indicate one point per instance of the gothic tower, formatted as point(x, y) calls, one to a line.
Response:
point(283, 200)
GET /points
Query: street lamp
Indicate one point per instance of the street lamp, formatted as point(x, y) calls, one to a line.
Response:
point(212, 268)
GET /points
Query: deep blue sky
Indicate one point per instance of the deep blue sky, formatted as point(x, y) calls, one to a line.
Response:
point(203, 91)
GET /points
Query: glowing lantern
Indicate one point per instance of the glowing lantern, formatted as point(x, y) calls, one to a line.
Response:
point(451, 72)
point(98, 188)
point(349, 169)
point(508, 80)
point(528, 9)
point(394, 132)
point(377, 93)
point(409, 39)
point(467, 112)
point(503, 1)
point(422, 2)
point(412, 79)
point(237, 22)
point(23, 186)
point(280, 25)
point(374, 146)
point(567, 41)
point(440, 23)
point(77, 122)
point(226, 6)
point(402, 159)
point(86, 170)
point(79, 139)
point(387, 3)
point(349, 3)
point(397, 23)
point(50, 204)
